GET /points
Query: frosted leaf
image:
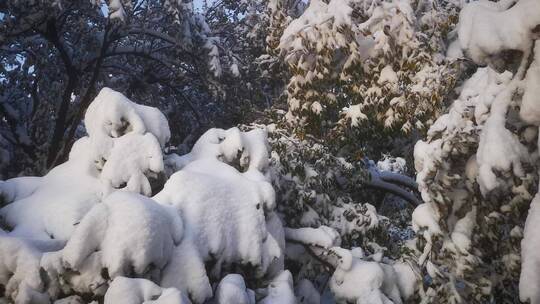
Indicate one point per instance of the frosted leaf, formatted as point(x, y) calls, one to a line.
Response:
point(354, 113)
point(425, 217)
point(322, 236)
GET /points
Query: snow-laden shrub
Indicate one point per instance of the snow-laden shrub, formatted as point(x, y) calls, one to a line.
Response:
point(477, 177)
point(120, 151)
point(362, 65)
point(102, 229)
point(477, 169)
point(89, 229)
point(317, 186)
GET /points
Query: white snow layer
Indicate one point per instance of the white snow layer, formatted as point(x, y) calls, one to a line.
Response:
point(367, 282)
point(122, 147)
point(280, 290)
point(530, 104)
point(141, 291)
point(232, 289)
point(487, 28)
point(129, 230)
point(219, 204)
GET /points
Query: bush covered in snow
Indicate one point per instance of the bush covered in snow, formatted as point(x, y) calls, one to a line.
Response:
point(357, 66)
point(477, 169)
point(211, 231)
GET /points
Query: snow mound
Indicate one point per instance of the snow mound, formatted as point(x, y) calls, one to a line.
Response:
point(19, 271)
point(186, 272)
point(217, 208)
point(130, 231)
point(70, 189)
point(487, 28)
point(367, 282)
point(138, 291)
point(112, 115)
point(123, 146)
point(280, 290)
point(247, 150)
point(219, 204)
point(131, 159)
point(232, 289)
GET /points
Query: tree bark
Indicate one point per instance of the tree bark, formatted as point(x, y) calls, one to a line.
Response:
point(51, 35)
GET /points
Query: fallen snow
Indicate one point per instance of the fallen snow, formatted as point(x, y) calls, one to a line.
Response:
point(217, 206)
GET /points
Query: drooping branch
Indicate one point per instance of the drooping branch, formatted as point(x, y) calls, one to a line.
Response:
point(391, 182)
point(329, 266)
